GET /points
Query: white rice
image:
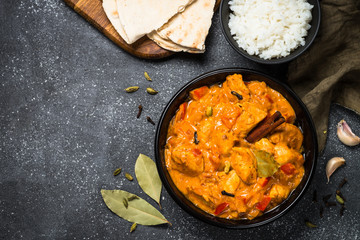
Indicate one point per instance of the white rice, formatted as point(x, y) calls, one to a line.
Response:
point(270, 28)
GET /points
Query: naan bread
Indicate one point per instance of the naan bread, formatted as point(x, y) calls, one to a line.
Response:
point(140, 17)
point(169, 45)
point(110, 8)
point(190, 28)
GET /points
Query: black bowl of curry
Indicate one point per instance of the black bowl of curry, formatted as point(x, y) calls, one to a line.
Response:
point(235, 148)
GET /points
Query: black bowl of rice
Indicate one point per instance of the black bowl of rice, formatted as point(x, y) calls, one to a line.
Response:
point(270, 31)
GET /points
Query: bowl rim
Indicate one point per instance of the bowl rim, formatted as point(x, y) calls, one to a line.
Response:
point(256, 58)
point(172, 193)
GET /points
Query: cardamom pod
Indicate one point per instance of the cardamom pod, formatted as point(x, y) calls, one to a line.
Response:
point(151, 91)
point(147, 76)
point(133, 227)
point(339, 199)
point(117, 171)
point(129, 177)
point(310, 224)
point(125, 202)
point(131, 89)
point(209, 111)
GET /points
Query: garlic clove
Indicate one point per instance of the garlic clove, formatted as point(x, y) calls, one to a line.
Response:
point(345, 134)
point(332, 165)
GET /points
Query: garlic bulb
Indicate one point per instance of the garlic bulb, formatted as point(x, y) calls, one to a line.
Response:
point(345, 134)
point(332, 165)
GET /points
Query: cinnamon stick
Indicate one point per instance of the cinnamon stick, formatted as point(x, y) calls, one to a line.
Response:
point(265, 127)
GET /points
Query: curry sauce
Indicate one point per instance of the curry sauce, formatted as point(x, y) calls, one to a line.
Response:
point(215, 167)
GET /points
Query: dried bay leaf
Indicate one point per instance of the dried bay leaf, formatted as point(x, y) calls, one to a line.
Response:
point(148, 177)
point(139, 211)
point(266, 165)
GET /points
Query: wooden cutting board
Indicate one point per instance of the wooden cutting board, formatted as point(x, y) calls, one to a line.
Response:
point(93, 12)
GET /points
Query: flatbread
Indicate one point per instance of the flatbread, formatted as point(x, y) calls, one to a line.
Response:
point(169, 45)
point(110, 8)
point(140, 17)
point(190, 27)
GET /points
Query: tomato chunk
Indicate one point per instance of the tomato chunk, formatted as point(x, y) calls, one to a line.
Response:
point(288, 168)
point(199, 93)
point(264, 203)
point(264, 181)
point(183, 108)
point(221, 208)
point(196, 152)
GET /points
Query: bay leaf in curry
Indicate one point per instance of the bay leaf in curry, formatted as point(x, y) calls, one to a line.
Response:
point(138, 211)
point(266, 165)
point(148, 177)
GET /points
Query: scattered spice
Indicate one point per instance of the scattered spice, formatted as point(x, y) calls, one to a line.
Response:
point(342, 183)
point(330, 204)
point(147, 76)
point(132, 198)
point(227, 167)
point(339, 199)
point(321, 211)
point(196, 140)
point(133, 227)
point(326, 198)
point(209, 111)
point(223, 192)
point(151, 91)
point(117, 171)
point(340, 194)
point(125, 202)
point(237, 95)
point(150, 120)
point(140, 110)
point(325, 132)
point(314, 196)
point(129, 177)
point(265, 127)
point(332, 165)
point(342, 209)
point(131, 89)
point(310, 224)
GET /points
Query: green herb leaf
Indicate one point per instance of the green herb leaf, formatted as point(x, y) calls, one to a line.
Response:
point(266, 165)
point(139, 211)
point(148, 177)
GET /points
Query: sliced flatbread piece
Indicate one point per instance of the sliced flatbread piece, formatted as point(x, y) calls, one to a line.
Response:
point(190, 27)
point(140, 17)
point(169, 45)
point(110, 8)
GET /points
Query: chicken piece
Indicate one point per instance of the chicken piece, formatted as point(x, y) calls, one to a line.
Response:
point(288, 134)
point(248, 119)
point(265, 145)
point(278, 193)
point(282, 105)
point(243, 162)
point(235, 83)
point(284, 154)
point(205, 129)
point(232, 182)
point(224, 141)
point(259, 95)
point(228, 113)
point(188, 160)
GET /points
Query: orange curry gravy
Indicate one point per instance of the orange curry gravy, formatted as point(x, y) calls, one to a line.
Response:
point(220, 159)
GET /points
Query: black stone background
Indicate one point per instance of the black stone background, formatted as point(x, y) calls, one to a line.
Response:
point(66, 125)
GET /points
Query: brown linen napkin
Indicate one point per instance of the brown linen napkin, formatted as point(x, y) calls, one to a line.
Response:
point(330, 69)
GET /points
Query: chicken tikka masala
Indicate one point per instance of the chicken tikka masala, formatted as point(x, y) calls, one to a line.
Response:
point(233, 149)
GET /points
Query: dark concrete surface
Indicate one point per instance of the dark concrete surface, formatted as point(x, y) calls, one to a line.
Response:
point(66, 125)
